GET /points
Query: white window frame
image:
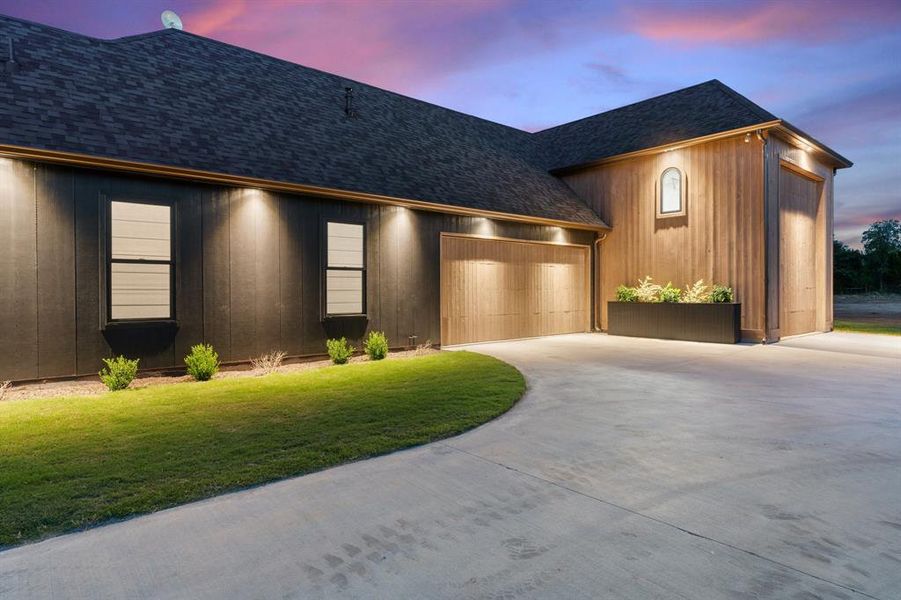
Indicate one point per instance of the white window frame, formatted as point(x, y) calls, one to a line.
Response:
point(326, 267)
point(110, 261)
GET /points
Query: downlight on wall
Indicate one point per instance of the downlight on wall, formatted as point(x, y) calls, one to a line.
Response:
point(559, 235)
point(483, 226)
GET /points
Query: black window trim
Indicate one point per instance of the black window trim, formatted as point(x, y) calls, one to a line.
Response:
point(108, 321)
point(326, 268)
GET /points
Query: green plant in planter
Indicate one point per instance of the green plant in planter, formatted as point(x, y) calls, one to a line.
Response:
point(339, 350)
point(647, 291)
point(721, 294)
point(202, 362)
point(376, 345)
point(668, 293)
point(118, 373)
point(696, 294)
point(625, 293)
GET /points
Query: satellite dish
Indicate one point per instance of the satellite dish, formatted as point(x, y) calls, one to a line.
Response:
point(171, 20)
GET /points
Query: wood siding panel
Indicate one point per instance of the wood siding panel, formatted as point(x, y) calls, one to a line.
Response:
point(215, 216)
point(90, 344)
point(720, 238)
point(497, 289)
point(18, 271)
point(313, 341)
point(267, 280)
point(189, 271)
point(242, 224)
point(55, 197)
point(291, 279)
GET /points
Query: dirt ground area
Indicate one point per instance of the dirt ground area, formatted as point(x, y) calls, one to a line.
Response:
point(93, 387)
point(878, 309)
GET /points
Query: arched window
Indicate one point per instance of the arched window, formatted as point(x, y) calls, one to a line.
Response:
point(672, 200)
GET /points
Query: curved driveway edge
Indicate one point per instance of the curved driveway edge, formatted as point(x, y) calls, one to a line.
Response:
point(631, 469)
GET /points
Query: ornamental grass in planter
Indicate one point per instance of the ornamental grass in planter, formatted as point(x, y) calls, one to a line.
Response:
point(697, 313)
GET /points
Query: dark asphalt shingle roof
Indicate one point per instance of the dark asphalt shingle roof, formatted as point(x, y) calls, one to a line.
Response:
point(697, 111)
point(173, 98)
point(692, 112)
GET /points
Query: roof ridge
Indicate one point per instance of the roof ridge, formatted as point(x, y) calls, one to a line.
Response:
point(141, 36)
point(745, 101)
point(618, 108)
point(69, 32)
point(31, 23)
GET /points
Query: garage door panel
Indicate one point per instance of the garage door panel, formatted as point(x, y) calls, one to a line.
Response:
point(499, 289)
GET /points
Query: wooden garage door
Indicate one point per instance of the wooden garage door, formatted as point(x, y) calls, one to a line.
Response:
point(501, 289)
point(798, 201)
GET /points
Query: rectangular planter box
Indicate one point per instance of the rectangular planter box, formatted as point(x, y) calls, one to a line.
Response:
point(719, 323)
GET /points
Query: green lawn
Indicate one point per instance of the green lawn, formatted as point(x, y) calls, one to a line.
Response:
point(867, 328)
point(67, 463)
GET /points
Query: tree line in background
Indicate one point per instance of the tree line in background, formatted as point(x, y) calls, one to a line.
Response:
point(876, 268)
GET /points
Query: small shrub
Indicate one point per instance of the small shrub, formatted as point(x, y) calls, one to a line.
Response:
point(647, 291)
point(423, 348)
point(118, 373)
point(696, 294)
point(376, 345)
point(668, 293)
point(268, 363)
point(721, 294)
point(202, 362)
point(339, 350)
point(625, 293)
point(4, 386)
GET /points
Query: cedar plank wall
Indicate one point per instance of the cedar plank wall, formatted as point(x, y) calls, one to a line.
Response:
point(720, 239)
point(778, 149)
point(247, 270)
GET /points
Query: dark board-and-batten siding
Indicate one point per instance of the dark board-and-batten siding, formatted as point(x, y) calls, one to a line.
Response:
point(248, 276)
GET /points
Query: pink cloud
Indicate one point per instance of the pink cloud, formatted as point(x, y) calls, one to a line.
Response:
point(399, 45)
point(754, 22)
point(219, 14)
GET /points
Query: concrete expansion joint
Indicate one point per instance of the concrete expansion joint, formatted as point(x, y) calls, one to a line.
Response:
point(660, 521)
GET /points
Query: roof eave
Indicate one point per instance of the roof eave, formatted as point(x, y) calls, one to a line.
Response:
point(158, 170)
point(804, 140)
point(667, 147)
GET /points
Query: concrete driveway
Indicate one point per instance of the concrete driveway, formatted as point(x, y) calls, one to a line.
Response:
point(631, 469)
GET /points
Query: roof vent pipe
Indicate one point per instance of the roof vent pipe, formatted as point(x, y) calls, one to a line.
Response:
point(349, 111)
point(11, 65)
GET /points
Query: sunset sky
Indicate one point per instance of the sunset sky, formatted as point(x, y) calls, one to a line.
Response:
point(831, 68)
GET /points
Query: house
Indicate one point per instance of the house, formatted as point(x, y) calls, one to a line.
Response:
point(165, 189)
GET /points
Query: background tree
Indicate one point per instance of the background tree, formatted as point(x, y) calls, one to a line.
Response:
point(882, 253)
point(848, 270)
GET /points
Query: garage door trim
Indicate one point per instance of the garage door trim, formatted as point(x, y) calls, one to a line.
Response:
point(820, 259)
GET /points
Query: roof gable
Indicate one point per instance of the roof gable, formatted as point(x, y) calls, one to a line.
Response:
point(685, 114)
